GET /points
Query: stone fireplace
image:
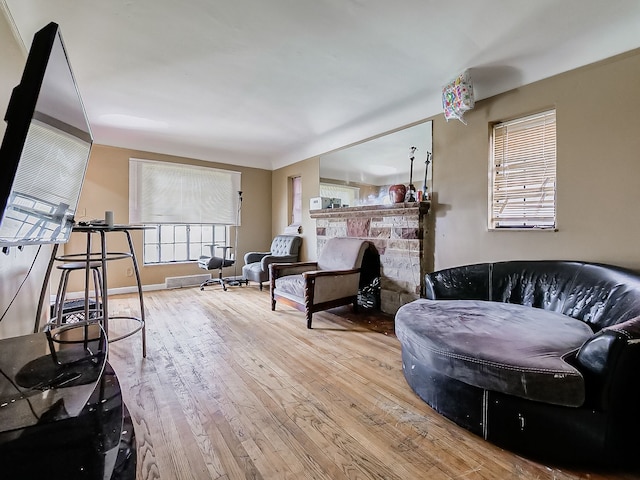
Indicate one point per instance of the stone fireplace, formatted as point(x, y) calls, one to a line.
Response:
point(397, 232)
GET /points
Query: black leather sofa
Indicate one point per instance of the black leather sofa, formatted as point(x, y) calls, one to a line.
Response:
point(540, 357)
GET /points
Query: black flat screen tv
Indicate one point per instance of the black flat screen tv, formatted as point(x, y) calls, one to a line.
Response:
point(45, 149)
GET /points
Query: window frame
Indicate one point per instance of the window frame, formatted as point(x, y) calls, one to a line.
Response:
point(155, 240)
point(534, 148)
point(296, 199)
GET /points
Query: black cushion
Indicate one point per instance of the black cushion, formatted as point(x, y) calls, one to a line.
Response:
point(604, 295)
point(497, 346)
point(540, 284)
point(465, 282)
point(600, 295)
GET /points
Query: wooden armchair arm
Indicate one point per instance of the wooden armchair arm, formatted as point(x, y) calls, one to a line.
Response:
point(282, 269)
point(328, 273)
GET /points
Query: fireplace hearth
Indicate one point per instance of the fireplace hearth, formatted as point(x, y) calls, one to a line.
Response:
point(397, 232)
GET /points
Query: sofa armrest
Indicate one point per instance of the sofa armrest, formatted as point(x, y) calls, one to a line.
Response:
point(269, 259)
point(253, 257)
point(608, 360)
point(467, 282)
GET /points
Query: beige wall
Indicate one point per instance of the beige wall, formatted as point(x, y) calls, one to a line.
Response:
point(19, 289)
point(598, 184)
point(598, 171)
point(309, 171)
point(106, 187)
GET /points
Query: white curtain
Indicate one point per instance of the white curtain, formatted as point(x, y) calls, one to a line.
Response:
point(164, 192)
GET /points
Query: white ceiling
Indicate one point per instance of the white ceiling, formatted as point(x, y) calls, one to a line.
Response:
point(266, 83)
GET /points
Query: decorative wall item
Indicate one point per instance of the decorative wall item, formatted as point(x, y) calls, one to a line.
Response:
point(371, 166)
point(425, 186)
point(397, 193)
point(411, 191)
point(457, 97)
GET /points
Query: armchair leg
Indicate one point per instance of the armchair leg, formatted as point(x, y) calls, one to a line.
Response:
point(309, 290)
point(260, 286)
point(272, 287)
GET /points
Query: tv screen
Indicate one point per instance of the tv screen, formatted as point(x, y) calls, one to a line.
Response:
point(45, 149)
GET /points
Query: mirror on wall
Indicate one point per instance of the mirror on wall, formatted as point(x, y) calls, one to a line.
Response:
point(361, 174)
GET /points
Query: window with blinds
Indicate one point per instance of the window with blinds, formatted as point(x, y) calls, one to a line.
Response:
point(172, 193)
point(523, 173)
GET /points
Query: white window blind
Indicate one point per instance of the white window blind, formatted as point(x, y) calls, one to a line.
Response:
point(60, 183)
point(347, 195)
point(296, 200)
point(523, 180)
point(163, 192)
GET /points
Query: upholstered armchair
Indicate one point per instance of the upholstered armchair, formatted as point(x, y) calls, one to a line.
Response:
point(314, 286)
point(284, 248)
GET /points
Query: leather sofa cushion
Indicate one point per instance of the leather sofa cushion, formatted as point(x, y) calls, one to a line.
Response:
point(503, 347)
point(541, 284)
point(600, 295)
point(603, 295)
point(469, 282)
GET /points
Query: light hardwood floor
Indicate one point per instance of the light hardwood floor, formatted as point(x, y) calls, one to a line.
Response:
point(232, 390)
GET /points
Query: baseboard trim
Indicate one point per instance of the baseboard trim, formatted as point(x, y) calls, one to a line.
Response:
point(116, 291)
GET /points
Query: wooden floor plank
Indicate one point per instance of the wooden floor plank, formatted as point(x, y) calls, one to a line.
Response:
point(231, 390)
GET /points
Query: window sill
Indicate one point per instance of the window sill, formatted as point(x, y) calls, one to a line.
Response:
point(516, 229)
point(164, 264)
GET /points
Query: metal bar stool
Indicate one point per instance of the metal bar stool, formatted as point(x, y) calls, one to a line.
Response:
point(94, 263)
point(87, 309)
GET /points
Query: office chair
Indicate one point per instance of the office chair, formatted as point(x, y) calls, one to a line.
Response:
point(218, 263)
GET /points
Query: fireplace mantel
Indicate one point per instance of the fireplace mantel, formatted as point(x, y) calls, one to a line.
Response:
point(421, 208)
point(396, 231)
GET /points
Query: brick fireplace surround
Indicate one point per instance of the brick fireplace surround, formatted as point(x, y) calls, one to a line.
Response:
point(398, 234)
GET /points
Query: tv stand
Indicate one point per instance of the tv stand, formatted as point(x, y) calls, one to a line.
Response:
point(62, 413)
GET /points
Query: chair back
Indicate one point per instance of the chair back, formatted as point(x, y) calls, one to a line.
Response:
point(285, 245)
point(341, 253)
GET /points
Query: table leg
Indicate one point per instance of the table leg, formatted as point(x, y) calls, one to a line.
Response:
point(45, 288)
point(139, 281)
point(87, 271)
point(105, 292)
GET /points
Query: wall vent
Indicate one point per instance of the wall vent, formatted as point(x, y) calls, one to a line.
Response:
point(187, 281)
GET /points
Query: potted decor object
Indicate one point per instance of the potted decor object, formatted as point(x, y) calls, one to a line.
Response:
point(397, 193)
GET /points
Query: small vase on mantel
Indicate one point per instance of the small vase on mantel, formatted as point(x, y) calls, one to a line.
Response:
point(397, 193)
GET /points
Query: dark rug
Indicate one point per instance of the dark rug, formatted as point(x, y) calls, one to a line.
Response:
point(370, 319)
